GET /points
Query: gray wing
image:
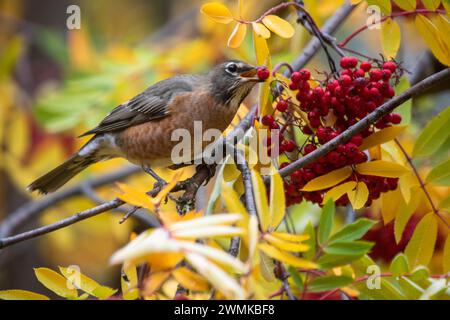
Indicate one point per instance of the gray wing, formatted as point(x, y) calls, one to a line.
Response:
point(148, 105)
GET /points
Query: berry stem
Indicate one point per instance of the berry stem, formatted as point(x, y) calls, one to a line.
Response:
point(422, 184)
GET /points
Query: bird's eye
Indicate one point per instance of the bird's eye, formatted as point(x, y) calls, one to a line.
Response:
point(232, 68)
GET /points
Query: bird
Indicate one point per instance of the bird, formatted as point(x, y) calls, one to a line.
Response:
point(140, 129)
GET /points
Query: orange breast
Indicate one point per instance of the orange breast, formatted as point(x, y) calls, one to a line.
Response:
point(151, 142)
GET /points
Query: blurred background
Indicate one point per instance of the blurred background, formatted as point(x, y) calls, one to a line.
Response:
point(56, 83)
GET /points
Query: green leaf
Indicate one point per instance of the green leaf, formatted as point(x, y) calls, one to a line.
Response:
point(329, 260)
point(327, 283)
point(311, 242)
point(421, 246)
point(326, 221)
point(440, 175)
point(358, 248)
point(353, 231)
point(433, 135)
point(296, 277)
point(399, 265)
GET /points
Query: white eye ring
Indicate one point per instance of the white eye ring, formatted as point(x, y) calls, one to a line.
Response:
point(231, 68)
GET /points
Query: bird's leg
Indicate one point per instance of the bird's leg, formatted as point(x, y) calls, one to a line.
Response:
point(160, 182)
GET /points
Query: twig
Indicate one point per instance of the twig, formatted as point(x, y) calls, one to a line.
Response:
point(421, 183)
point(371, 118)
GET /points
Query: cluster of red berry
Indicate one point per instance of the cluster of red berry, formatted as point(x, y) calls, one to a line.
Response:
point(330, 108)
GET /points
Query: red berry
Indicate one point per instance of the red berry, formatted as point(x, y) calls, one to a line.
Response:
point(267, 120)
point(375, 75)
point(288, 145)
point(348, 62)
point(282, 105)
point(366, 66)
point(309, 148)
point(390, 65)
point(333, 157)
point(296, 77)
point(307, 130)
point(357, 140)
point(386, 74)
point(396, 118)
point(263, 73)
point(359, 73)
point(346, 80)
point(305, 74)
point(293, 86)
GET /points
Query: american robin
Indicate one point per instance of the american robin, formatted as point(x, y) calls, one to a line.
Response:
point(140, 129)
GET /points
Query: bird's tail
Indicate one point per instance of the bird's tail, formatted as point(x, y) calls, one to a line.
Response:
point(56, 178)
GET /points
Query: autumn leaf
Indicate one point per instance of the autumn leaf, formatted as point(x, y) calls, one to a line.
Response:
point(21, 295)
point(406, 5)
point(381, 168)
point(237, 36)
point(433, 38)
point(279, 26)
point(358, 196)
point(56, 283)
point(261, 30)
point(390, 38)
point(338, 191)
point(217, 12)
point(261, 200)
point(328, 180)
point(286, 257)
point(421, 246)
point(382, 136)
point(277, 200)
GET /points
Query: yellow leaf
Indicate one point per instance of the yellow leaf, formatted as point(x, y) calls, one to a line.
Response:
point(56, 283)
point(446, 258)
point(217, 12)
point(290, 236)
point(286, 257)
point(406, 5)
point(381, 168)
point(390, 38)
point(230, 172)
point(421, 246)
point(390, 202)
point(129, 281)
point(261, 50)
point(21, 295)
point(358, 196)
point(252, 236)
point(431, 35)
point(232, 201)
point(206, 221)
point(328, 180)
point(237, 36)
point(277, 200)
point(355, 1)
point(261, 200)
point(169, 186)
point(135, 197)
point(190, 280)
point(261, 30)
point(208, 232)
point(216, 276)
point(155, 281)
point(266, 267)
point(404, 212)
point(88, 285)
point(285, 245)
point(338, 191)
point(382, 136)
point(431, 4)
point(279, 26)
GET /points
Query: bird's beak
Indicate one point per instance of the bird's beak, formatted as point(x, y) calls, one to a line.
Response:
point(250, 75)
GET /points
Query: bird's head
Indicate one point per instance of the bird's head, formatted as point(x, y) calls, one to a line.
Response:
point(232, 81)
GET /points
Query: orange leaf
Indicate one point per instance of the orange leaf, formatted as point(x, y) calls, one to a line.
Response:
point(279, 26)
point(237, 36)
point(328, 180)
point(217, 12)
